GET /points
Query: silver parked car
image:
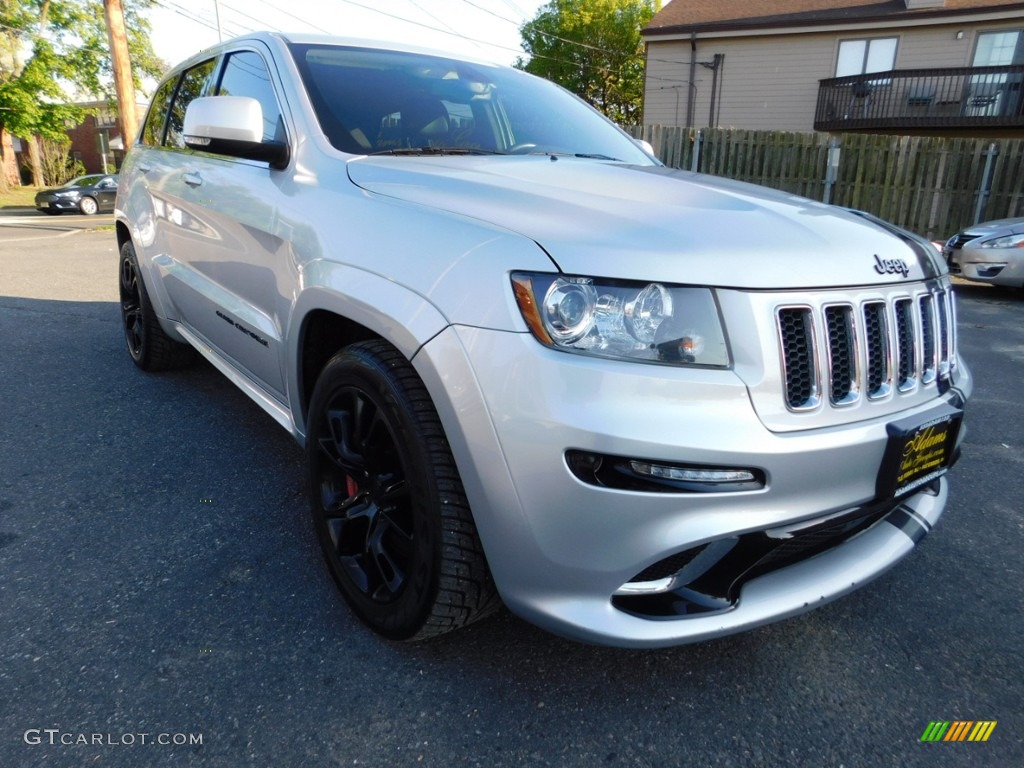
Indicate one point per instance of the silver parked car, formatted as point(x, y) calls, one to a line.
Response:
point(642, 406)
point(990, 252)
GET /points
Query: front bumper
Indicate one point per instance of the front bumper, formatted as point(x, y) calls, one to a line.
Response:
point(57, 205)
point(561, 549)
point(997, 267)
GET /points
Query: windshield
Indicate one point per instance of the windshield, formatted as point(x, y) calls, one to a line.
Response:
point(83, 181)
point(388, 102)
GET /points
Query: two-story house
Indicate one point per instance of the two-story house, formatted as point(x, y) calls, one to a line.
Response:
point(951, 67)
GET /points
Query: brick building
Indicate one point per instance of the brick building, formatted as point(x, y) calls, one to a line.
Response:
point(96, 141)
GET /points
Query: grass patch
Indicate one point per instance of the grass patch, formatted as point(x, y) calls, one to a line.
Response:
point(102, 228)
point(19, 196)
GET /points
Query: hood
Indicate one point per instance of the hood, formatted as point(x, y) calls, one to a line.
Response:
point(652, 223)
point(999, 226)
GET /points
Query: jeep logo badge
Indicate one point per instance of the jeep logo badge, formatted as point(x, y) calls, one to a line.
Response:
point(891, 266)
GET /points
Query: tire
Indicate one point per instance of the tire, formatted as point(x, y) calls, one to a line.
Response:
point(88, 205)
point(150, 348)
point(388, 505)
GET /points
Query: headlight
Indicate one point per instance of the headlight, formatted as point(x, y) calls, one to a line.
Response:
point(1009, 241)
point(649, 322)
point(70, 193)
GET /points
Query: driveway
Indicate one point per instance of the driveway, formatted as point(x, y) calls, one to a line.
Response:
point(159, 578)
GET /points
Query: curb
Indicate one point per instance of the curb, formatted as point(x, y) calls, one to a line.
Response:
point(62, 233)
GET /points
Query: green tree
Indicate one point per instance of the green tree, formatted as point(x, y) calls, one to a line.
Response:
point(52, 51)
point(593, 48)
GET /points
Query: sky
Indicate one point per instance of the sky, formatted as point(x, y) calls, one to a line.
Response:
point(482, 29)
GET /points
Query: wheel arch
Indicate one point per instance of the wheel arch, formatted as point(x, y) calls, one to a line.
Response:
point(323, 333)
point(326, 320)
point(123, 235)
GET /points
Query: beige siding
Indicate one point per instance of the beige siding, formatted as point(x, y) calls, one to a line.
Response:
point(771, 83)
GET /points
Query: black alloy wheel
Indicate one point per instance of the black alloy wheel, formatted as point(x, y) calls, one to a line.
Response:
point(149, 346)
point(131, 307)
point(388, 506)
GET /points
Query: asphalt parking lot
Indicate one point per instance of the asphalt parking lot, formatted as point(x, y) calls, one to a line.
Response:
point(159, 576)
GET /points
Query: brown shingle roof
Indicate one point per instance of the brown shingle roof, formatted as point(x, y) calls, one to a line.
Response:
point(707, 15)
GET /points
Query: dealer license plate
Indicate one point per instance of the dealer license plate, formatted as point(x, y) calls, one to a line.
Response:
point(918, 452)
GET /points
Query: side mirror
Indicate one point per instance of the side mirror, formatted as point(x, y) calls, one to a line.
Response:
point(233, 126)
point(645, 146)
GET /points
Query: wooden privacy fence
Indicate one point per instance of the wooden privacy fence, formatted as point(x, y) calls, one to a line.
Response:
point(931, 185)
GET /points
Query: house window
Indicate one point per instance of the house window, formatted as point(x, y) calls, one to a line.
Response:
point(996, 93)
point(105, 118)
point(999, 48)
point(859, 57)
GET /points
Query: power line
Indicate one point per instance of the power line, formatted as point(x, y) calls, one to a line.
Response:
point(439, 21)
point(430, 27)
point(263, 24)
point(449, 31)
point(515, 8)
point(293, 16)
point(186, 13)
point(492, 13)
point(551, 36)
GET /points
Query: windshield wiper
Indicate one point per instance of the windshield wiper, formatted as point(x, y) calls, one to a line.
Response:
point(437, 151)
point(596, 156)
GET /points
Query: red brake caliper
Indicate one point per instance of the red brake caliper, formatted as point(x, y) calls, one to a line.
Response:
point(351, 486)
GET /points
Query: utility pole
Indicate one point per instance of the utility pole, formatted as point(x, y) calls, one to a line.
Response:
point(127, 116)
point(216, 10)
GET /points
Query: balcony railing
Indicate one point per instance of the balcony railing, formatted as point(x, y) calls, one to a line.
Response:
point(954, 98)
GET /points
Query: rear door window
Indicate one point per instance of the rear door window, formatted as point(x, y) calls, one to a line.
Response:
point(153, 131)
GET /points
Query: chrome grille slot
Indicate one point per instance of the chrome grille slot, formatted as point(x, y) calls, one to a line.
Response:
point(842, 354)
point(796, 334)
point(928, 325)
point(906, 357)
point(877, 350)
point(943, 305)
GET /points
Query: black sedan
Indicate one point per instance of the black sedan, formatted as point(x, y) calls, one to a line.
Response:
point(90, 194)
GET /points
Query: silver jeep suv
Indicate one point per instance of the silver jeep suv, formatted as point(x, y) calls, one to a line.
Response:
point(643, 406)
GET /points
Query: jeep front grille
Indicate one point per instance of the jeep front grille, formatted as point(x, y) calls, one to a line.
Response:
point(875, 347)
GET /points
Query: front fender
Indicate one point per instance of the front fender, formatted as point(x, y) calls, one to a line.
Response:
point(398, 315)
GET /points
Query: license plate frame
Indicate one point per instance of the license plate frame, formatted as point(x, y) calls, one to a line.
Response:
point(919, 450)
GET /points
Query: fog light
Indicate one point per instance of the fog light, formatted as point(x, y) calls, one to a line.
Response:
point(692, 475)
point(649, 476)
